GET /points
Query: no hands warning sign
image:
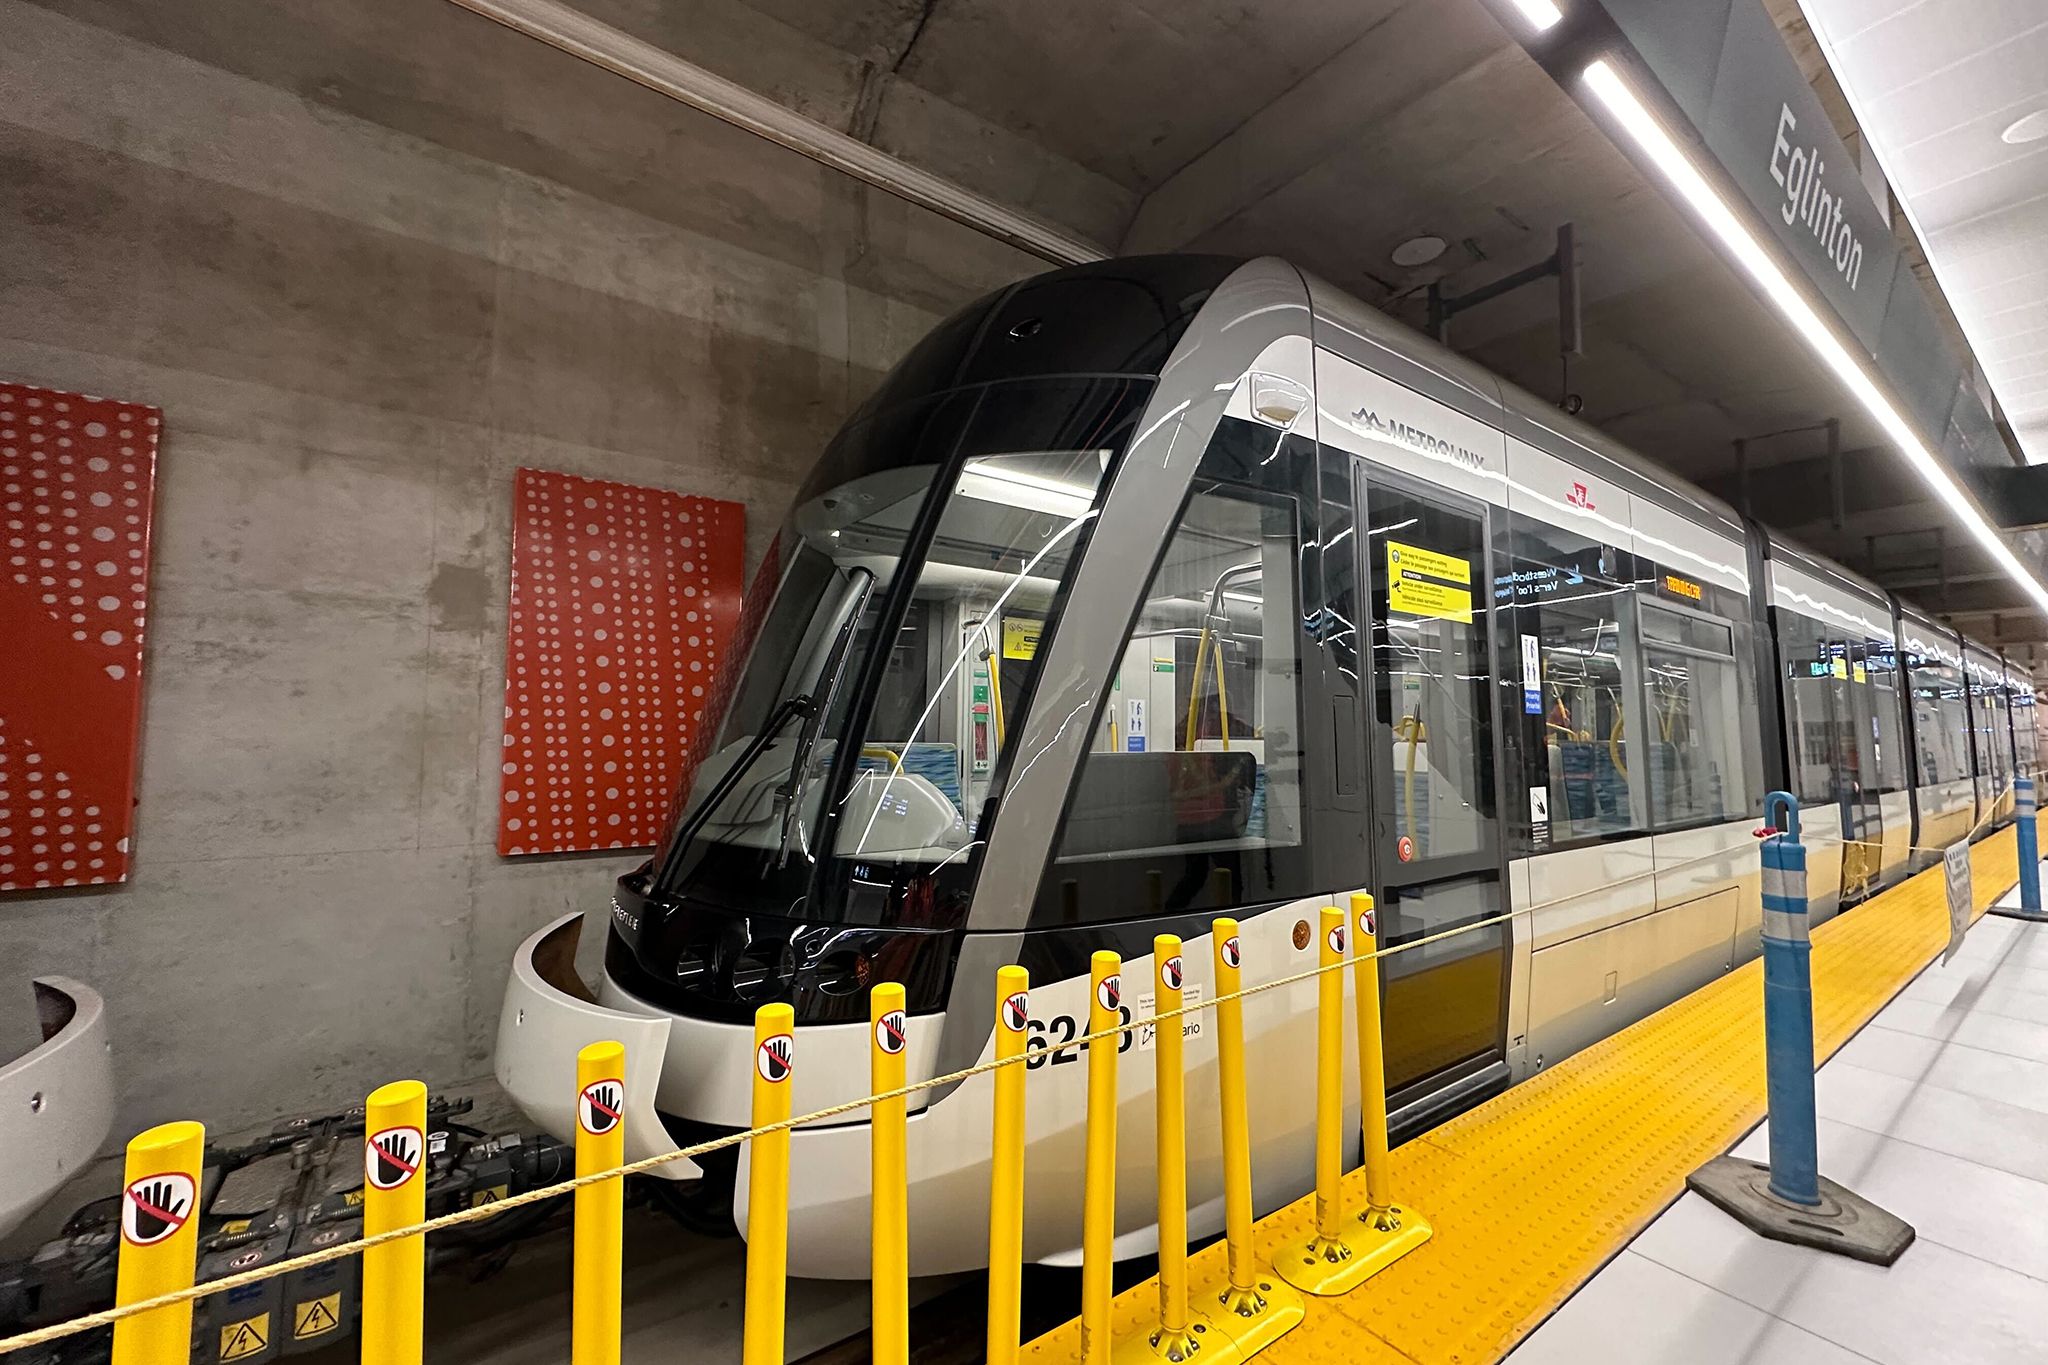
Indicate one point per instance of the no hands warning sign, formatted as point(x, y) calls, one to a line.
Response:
point(1367, 924)
point(1110, 993)
point(155, 1207)
point(1016, 1012)
point(1233, 953)
point(775, 1058)
point(392, 1156)
point(599, 1106)
point(889, 1032)
point(1337, 939)
point(1169, 973)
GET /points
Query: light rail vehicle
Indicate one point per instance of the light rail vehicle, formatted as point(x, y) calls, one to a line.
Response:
point(1159, 589)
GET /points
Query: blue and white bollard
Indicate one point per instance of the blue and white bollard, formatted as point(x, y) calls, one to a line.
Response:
point(1788, 1011)
point(1789, 1200)
point(2030, 847)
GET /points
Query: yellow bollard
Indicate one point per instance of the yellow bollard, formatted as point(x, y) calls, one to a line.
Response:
point(159, 1242)
point(1255, 1309)
point(768, 1186)
point(1393, 1231)
point(1181, 1334)
point(889, 1216)
point(601, 1208)
point(1006, 1167)
point(1098, 1198)
point(1324, 1264)
point(394, 1196)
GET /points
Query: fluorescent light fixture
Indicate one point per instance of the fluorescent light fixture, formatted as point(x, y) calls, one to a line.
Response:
point(1541, 14)
point(1656, 142)
point(987, 481)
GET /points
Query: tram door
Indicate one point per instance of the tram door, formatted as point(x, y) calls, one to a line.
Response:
point(1434, 821)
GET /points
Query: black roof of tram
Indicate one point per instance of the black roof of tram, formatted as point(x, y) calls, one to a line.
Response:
point(1116, 317)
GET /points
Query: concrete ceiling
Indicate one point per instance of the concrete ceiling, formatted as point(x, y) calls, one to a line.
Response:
point(1934, 87)
point(1328, 132)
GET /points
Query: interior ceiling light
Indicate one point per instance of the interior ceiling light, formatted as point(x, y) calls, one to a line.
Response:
point(1540, 13)
point(2032, 128)
point(1418, 251)
point(1656, 142)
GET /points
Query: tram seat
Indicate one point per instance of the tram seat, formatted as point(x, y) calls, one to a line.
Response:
point(938, 764)
point(1158, 799)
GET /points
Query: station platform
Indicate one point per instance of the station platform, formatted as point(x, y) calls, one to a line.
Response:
point(1542, 1189)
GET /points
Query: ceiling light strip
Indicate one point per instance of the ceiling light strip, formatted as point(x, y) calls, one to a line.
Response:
point(1664, 151)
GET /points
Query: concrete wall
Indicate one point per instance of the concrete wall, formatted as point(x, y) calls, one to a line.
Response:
point(370, 258)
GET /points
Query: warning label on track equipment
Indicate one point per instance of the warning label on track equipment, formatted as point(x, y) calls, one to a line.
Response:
point(240, 1340)
point(316, 1317)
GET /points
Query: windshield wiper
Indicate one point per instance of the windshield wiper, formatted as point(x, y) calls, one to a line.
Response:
point(788, 806)
point(786, 709)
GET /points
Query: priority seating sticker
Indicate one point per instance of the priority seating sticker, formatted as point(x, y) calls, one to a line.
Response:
point(391, 1157)
point(155, 1207)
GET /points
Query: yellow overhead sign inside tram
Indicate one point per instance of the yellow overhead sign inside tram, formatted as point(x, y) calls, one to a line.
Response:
point(1421, 583)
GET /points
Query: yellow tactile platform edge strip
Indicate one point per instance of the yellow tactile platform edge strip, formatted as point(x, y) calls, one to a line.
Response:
point(1535, 1190)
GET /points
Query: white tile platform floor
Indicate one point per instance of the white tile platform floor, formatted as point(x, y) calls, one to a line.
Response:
point(1937, 1111)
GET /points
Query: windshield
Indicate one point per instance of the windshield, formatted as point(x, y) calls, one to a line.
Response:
point(890, 641)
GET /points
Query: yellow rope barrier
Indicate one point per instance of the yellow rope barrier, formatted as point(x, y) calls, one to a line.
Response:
point(42, 1336)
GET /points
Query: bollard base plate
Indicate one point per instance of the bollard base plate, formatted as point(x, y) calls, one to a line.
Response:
point(1254, 1319)
point(1328, 1268)
point(1844, 1223)
point(2015, 912)
point(1204, 1342)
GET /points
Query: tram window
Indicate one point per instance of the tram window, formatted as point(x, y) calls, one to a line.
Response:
point(1881, 693)
point(1431, 673)
point(1570, 597)
point(1696, 733)
point(1816, 717)
point(1199, 750)
point(965, 651)
point(1940, 722)
point(2025, 740)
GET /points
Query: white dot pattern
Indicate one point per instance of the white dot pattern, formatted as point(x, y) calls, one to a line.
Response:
point(77, 479)
point(622, 601)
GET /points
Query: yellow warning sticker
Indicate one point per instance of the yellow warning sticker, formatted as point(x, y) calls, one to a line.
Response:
point(239, 1340)
point(1857, 673)
point(1438, 601)
point(490, 1195)
point(1415, 559)
point(1020, 637)
point(1840, 668)
point(316, 1317)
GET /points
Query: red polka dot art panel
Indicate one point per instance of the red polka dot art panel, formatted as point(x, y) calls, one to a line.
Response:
point(623, 599)
point(77, 478)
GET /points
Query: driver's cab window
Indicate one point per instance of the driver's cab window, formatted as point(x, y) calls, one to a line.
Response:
point(1196, 758)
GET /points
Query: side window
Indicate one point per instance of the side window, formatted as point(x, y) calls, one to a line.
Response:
point(1697, 738)
point(1815, 664)
point(1191, 793)
point(1881, 663)
point(1940, 721)
point(1431, 666)
point(1575, 614)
